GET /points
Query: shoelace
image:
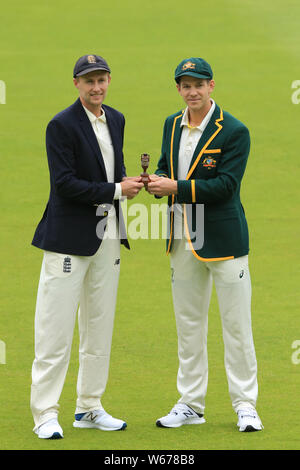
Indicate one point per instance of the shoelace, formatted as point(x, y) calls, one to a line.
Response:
point(247, 413)
point(178, 408)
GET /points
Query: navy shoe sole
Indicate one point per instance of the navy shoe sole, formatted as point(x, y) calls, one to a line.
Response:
point(56, 435)
point(159, 425)
point(250, 428)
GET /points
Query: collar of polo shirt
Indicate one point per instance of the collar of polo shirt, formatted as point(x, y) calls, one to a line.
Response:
point(94, 118)
point(201, 127)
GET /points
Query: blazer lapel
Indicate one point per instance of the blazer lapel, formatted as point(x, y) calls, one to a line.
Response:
point(213, 127)
point(115, 138)
point(90, 135)
point(174, 145)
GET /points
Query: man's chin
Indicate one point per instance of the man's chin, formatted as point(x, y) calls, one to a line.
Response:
point(195, 104)
point(96, 100)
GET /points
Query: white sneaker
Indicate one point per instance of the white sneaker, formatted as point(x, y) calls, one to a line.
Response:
point(50, 430)
point(180, 414)
point(98, 419)
point(249, 420)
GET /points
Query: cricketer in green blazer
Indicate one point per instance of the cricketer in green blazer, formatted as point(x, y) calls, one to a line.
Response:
point(214, 179)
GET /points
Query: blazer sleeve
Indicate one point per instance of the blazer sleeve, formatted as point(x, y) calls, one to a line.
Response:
point(162, 166)
point(61, 161)
point(229, 173)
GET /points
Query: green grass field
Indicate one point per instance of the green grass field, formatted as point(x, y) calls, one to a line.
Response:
point(253, 48)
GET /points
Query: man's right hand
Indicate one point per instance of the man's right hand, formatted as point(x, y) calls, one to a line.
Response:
point(131, 186)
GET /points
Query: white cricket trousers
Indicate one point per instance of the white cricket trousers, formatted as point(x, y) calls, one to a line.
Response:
point(192, 281)
point(67, 281)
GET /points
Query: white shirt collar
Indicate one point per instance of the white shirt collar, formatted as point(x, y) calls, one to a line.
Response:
point(92, 116)
point(201, 127)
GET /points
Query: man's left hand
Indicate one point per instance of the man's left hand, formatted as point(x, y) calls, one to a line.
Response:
point(161, 186)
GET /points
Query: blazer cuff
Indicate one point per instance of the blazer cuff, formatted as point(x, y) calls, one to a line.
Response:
point(186, 191)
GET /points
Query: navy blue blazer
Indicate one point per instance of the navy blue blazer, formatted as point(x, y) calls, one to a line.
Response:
point(78, 182)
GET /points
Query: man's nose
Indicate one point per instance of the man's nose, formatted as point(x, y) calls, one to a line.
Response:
point(96, 86)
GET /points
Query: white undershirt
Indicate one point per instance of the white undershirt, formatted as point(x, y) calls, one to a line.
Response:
point(189, 140)
point(100, 127)
point(190, 137)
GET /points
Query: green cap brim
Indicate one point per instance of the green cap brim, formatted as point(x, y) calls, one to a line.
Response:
point(193, 74)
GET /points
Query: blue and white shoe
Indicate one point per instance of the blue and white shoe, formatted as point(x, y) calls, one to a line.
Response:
point(179, 415)
point(98, 419)
point(50, 430)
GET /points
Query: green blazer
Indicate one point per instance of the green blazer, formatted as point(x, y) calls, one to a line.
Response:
point(214, 179)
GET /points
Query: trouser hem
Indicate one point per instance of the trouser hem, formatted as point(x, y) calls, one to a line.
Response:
point(43, 419)
point(86, 410)
point(242, 406)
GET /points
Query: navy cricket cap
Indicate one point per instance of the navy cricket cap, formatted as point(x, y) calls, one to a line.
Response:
point(89, 63)
point(194, 67)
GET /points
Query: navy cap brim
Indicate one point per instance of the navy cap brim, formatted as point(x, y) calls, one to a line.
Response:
point(92, 69)
point(193, 74)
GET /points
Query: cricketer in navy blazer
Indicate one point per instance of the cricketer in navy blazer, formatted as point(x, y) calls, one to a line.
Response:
point(78, 182)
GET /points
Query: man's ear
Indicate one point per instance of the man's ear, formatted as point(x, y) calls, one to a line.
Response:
point(212, 85)
point(75, 81)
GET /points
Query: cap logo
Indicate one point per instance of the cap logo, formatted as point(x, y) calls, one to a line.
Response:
point(91, 59)
point(188, 65)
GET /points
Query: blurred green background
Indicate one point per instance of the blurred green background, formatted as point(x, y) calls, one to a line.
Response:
point(254, 50)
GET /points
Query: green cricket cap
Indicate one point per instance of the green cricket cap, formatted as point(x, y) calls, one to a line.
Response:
point(194, 67)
